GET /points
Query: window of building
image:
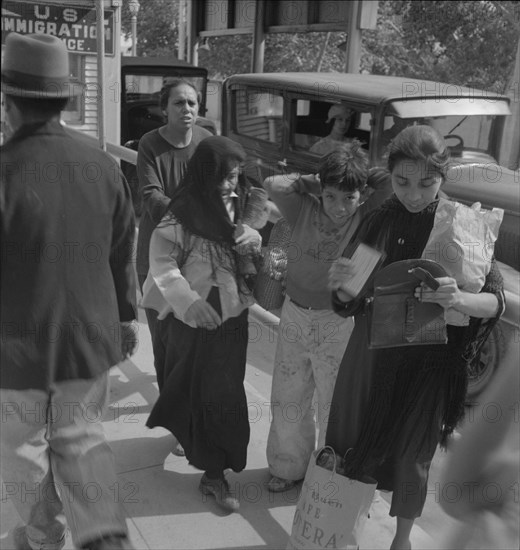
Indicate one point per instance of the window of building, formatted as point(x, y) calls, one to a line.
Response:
point(74, 112)
point(259, 115)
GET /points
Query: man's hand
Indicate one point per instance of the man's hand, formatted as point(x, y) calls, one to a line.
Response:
point(129, 339)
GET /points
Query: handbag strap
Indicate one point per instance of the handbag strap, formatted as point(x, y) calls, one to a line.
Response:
point(425, 276)
point(409, 323)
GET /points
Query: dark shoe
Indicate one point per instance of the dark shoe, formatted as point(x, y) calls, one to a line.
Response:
point(20, 538)
point(21, 541)
point(279, 484)
point(110, 542)
point(178, 450)
point(219, 488)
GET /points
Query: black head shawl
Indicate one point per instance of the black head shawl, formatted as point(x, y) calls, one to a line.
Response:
point(197, 203)
point(198, 206)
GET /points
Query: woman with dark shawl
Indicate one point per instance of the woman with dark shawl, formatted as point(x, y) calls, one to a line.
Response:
point(197, 286)
point(393, 406)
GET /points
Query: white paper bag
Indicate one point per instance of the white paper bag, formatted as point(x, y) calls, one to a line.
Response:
point(332, 509)
point(463, 240)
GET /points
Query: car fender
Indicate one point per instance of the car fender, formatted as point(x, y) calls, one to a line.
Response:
point(494, 185)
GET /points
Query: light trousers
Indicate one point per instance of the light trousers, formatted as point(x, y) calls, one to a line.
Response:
point(56, 464)
point(310, 347)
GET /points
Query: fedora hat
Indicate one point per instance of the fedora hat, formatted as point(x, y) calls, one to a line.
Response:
point(37, 66)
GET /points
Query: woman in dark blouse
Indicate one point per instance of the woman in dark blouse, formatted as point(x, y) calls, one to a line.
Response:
point(393, 406)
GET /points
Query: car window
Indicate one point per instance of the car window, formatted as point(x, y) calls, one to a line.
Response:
point(143, 118)
point(258, 114)
point(471, 133)
point(464, 134)
point(311, 125)
point(148, 86)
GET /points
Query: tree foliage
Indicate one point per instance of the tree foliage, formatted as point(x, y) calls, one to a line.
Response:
point(157, 27)
point(460, 42)
point(315, 51)
point(465, 42)
point(227, 55)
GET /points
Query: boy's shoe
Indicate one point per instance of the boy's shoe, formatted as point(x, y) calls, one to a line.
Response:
point(21, 541)
point(20, 538)
point(219, 488)
point(279, 484)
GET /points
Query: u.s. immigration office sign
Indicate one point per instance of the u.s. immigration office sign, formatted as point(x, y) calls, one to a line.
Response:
point(76, 26)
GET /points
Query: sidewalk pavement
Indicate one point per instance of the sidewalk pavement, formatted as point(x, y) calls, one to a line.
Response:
point(159, 491)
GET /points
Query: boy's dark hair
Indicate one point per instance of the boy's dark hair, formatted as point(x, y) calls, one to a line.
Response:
point(40, 107)
point(169, 85)
point(345, 167)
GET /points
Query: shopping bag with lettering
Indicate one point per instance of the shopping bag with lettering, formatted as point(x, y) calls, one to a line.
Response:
point(332, 509)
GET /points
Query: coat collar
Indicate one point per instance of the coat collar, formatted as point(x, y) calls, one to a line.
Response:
point(45, 127)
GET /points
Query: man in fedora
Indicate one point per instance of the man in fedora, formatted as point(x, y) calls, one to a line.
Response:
point(67, 307)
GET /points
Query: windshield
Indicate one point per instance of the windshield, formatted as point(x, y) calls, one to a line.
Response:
point(146, 87)
point(465, 135)
point(472, 132)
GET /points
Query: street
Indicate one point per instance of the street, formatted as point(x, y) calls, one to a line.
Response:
point(158, 490)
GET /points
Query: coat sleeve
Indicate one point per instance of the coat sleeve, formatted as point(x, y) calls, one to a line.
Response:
point(151, 187)
point(166, 251)
point(121, 250)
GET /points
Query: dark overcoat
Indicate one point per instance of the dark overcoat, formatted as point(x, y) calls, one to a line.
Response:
point(67, 279)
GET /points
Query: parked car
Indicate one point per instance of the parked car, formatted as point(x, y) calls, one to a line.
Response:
point(142, 79)
point(278, 117)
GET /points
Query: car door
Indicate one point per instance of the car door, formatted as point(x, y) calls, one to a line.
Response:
point(254, 117)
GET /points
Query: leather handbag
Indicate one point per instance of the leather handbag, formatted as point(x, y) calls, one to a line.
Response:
point(396, 317)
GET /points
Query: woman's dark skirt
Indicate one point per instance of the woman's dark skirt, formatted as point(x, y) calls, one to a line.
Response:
point(387, 407)
point(202, 399)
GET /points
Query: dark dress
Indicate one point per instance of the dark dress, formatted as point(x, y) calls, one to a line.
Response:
point(203, 401)
point(393, 406)
point(200, 372)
